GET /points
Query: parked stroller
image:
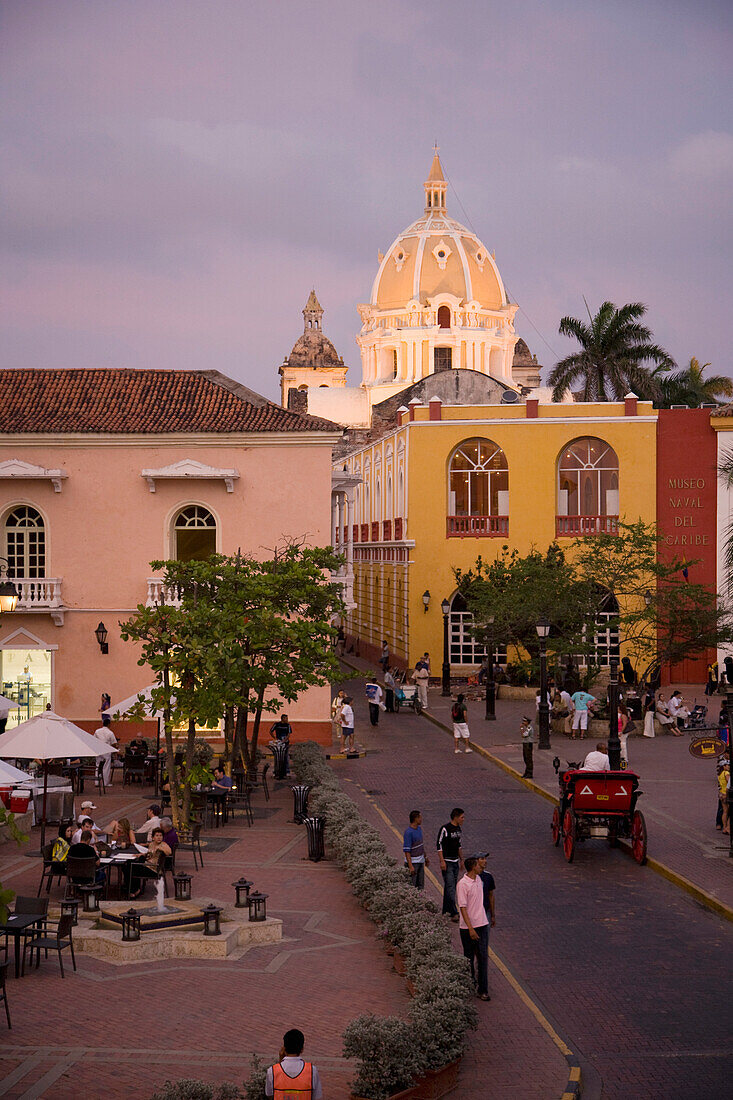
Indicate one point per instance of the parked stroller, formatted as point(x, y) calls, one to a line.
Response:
point(697, 717)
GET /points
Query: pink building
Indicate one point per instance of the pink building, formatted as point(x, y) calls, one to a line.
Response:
point(102, 471)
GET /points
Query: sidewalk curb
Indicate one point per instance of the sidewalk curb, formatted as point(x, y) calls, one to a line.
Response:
point(696, 892)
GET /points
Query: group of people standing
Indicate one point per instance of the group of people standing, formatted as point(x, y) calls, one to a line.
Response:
point(467, 900)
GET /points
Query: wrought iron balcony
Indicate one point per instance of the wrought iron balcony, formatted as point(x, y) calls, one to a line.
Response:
point(576, 526)
point(472, 527)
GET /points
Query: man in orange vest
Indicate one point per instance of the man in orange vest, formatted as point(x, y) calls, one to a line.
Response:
point(291, 1078)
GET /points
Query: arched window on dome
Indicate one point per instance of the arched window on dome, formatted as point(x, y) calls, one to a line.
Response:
point(442, 359)
point(194, 530)
point(444, 317)
point(587, 488)
point(478, 490)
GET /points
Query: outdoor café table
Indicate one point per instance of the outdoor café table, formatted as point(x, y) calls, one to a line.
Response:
point(15, 926)
point(216, 805)
point(119, 860)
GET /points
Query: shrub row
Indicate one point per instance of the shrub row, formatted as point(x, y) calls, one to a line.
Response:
point(390, 1052)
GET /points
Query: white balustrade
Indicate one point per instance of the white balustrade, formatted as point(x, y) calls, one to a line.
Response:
point(38, 593)
point(159, 593)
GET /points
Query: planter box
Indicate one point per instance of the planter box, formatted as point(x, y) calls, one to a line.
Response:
point(438, 1082)
point(515, 691)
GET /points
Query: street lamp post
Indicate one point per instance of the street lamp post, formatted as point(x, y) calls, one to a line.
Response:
point(543, 629)
point(614, 742)
point(445, 608)
point(490, 715)
point(729, 704)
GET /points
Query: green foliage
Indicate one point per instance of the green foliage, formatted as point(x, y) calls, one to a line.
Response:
point(248, 638)
point(202, 752)
point(254, 1086)
point(519, 590)
point(614, 350)
point(661, 616)
point(189, 1089)
point(388, 1057)
point(689, 387)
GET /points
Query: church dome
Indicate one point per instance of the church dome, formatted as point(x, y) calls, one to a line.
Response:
point(313, 348)
point(437, 255)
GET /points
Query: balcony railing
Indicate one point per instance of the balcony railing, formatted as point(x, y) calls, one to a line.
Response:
point(159, 593)
point(40, 594)
point(471, 527)
point(574, 526)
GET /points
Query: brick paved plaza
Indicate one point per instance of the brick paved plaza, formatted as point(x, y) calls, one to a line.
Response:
point(603, 956)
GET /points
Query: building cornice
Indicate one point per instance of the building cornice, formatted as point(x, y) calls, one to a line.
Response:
point(172, 439)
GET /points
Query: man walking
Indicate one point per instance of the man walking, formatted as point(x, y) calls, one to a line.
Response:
point(104, 733)
point(451, 858)
point(384, 659)
point(390, 686)
point(414, 848)
point(292, 1076)
point(580, 701)
point(527, 731)
point(474, 926)
point(347, 724)
point(374, 694)
point(421, 677)
point(461, 731)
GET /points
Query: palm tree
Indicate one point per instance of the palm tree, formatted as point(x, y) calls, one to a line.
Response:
point(725, 469)
point(688, 387)
point(615, 347)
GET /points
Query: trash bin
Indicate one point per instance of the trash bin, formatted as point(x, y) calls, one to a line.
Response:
point(300, 802)
point(314, 828)
point(280, 754)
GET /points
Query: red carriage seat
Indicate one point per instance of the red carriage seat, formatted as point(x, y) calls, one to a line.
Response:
point(603, 792)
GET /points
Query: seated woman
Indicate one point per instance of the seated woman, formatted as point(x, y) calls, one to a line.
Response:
point(61, 845)
point(154, 862)
point(665, 719)
point(120, 833)
point(558, 714)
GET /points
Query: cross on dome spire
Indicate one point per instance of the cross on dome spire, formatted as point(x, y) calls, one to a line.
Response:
point(435, 186)
point(312, 314)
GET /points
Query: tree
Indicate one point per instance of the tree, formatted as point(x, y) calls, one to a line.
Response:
point(662, 617)
point(689, 387)
point(615, 348)
point(519, 590)
point(248, 638)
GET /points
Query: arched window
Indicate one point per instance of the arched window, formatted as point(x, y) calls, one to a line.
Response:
point(444, 317)
point(195, 533)
point(478, 487)
point(25, 542)
point(587, 488)
point(442, 359)
point(464, 649)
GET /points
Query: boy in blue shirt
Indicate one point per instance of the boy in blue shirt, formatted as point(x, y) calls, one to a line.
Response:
point(414, 848)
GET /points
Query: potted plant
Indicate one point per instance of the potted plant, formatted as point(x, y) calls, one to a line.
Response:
point(388, 1059)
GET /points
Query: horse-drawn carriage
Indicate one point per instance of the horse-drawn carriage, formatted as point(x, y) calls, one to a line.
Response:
point(599, 805)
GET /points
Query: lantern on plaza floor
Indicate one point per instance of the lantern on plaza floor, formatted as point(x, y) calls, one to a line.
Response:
point(131, 925)
point(257, 906)
point(242, 886)
point(70, 908)
point(212, 916)
point(182, 886)
point(90, 898)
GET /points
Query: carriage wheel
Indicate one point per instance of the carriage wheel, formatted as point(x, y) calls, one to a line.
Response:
point(555, 826)
point(568, 839)
point(638, 837)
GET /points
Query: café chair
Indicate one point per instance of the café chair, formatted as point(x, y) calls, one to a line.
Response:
point(51, 938)
point(28, 906)
point(255, 786)
point(100, 776)
point(79, 872)
point(4, 992)
point(193, 844)
point(51, 869)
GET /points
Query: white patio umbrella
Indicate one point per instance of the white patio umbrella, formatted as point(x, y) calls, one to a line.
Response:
point(6, 705)
point(128, 703)
point(9, 774)
point(46, 737)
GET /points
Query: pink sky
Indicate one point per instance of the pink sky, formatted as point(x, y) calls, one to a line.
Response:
point(177, 174)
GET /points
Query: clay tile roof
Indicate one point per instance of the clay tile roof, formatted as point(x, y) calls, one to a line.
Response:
point(722, 410)
point(141, 401)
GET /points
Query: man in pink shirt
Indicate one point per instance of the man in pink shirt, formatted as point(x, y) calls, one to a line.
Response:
point(474, 925)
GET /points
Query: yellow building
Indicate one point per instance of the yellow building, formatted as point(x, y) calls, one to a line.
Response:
point(450, 482)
